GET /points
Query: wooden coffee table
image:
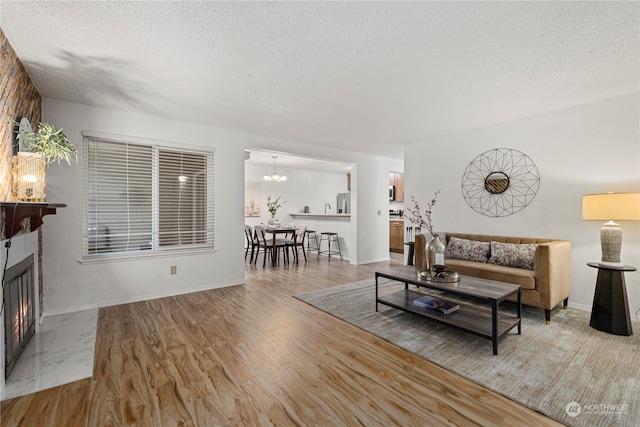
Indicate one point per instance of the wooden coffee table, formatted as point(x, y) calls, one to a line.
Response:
point(487, 322)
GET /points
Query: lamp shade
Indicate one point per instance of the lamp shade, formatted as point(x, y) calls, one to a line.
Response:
point(611, 207)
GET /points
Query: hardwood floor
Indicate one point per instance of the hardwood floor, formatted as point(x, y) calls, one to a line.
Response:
point(253, 355)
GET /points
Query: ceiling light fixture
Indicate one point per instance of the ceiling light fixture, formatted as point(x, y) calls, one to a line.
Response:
point(275, 175)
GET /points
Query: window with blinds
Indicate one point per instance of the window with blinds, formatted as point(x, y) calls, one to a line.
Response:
point(141, 198)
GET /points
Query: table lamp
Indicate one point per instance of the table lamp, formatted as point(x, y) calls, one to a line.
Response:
point(611, 207)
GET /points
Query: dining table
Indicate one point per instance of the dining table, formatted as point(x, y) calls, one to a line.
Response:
point(274, 232)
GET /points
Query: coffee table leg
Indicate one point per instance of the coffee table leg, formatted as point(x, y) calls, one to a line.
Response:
point(494, 326)
point(376, 292)
point(520, 311)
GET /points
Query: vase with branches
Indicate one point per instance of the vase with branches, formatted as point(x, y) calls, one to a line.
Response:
point(434, 248)
point(272, 207)
point(415, 215)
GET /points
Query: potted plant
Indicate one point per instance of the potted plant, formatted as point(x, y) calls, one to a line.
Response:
point(50, 142)
point(36, 151)
point(273, 207)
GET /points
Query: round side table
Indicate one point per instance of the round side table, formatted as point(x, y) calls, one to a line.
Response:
point(610, 311)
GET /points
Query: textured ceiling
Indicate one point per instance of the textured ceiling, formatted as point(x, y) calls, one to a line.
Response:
point(362, 76)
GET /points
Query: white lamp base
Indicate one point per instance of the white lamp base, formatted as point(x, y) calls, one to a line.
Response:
point(611, 244)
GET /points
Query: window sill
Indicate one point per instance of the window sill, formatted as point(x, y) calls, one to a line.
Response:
point(102, 259)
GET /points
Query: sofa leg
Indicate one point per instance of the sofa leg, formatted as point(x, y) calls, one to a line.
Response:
point(547, 316)
point(566, 303)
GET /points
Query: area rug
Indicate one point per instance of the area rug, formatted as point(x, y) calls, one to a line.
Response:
point(566, 370)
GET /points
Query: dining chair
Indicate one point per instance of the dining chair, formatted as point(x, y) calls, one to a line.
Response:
point(288, 241)
point(284, 243)
point(251, 242)
point(248, 231)
point(267, 245)
point(300, 233)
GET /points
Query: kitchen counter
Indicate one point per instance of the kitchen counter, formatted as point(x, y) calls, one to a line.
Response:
point(337, 223)
point(319, 215)
point(396, 218)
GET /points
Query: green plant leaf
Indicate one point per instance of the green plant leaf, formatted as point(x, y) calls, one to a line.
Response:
point(51, 143)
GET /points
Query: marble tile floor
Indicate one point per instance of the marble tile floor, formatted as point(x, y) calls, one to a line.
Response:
point(59, 353)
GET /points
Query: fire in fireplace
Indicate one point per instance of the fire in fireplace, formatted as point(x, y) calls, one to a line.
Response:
point(19, 311)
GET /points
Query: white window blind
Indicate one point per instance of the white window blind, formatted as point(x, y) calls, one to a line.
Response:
point(141, 199)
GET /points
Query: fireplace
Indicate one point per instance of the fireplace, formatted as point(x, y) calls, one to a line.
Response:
point(19, 311)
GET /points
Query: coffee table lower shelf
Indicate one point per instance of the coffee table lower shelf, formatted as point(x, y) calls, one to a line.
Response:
point(469, 318)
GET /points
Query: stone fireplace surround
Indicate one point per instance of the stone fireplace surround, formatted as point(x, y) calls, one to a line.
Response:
point(20, 98)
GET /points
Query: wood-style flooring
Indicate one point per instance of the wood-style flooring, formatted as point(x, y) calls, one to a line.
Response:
point(253, 355)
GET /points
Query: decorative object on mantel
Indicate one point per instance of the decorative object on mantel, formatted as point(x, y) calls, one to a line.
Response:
point(36, 151)
point(28, 174)
point(434, 248)
point(500, 182)
point(272, 207)
point(274, 175)
point(611, 207)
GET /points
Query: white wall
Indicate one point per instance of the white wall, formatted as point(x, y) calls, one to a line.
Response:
point(72, 286)
point(593, 148)
point(302, 188)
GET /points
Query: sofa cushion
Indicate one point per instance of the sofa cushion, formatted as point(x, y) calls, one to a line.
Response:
point(517, 276)
point(470, 250)
point(513, 255)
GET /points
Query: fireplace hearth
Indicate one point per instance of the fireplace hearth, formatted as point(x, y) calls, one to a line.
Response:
point(19, 310)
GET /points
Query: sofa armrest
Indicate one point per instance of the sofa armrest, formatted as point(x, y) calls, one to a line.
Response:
point(552, 270)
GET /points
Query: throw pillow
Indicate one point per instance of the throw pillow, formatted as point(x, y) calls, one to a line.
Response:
point(513, 255)
point(469, 250)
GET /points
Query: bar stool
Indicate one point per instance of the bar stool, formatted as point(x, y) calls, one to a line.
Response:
point(412, 248)
point(315, 239)
point(330, 236)
point(410, 241)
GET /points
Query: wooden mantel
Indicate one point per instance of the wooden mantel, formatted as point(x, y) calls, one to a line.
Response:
point(15, 212)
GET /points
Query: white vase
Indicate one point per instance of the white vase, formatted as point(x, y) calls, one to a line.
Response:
point(273, 221)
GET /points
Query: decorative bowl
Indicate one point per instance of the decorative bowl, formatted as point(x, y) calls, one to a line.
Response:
point(446, 276)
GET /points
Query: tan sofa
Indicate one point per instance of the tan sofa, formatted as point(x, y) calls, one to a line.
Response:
point(545, 286)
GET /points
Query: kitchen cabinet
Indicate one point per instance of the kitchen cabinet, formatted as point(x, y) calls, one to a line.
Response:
point(397, 180)
point(396, 236)
point(348, 182)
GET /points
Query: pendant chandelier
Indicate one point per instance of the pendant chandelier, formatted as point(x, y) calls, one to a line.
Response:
point(275, 175)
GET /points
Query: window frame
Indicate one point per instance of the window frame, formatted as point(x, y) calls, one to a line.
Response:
point(157, 250)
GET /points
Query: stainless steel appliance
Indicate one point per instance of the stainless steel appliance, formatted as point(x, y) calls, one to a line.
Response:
point(343, 204)
point(392, 192)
